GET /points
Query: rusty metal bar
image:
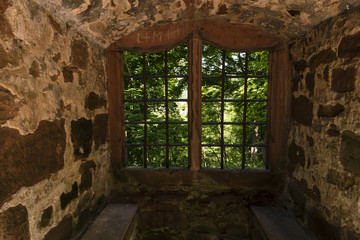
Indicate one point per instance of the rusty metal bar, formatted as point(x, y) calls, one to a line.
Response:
point(234, 123)
point(155, 76)
point(244, 113)
point(166, 111)
point(155, 100)
point(222, 150)
point(145, 111)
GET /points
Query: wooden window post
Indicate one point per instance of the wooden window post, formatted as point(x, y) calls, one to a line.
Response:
point(194, 98)
point(115, 74)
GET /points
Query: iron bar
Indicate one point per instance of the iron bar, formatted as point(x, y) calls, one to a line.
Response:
point(234, 123)
point(157, 144)
point(155, 100)
point(236, 76)
point(244, 113)
point(222, 150)
point(155, 76)
point(233, 145)
point(166, 111)
point(145, 111)
point(154, 122)
point(234, 100)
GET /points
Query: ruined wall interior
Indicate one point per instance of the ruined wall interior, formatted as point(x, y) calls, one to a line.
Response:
point(323, 165)
point(54, 157)
point(54, 149)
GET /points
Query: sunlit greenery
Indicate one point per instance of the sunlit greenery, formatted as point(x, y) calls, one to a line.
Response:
point(235, 65)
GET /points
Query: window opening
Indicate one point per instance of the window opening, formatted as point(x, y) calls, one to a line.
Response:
point(155, 99)
point(234, 108)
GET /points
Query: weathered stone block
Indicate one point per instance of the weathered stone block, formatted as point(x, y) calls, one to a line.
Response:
point(62, 231)
point(4, 24)
point(94, 101)
point(14, 224)
point(300, 66)
point(81, 137)
point(330, 110)
point(86, 175)
point(100, 129)
point(310, 82)
point(333, 132)
point(46, 217)
point(326, 74)
point(350, 46)
point(55, 25)
point(34, 69)
point(302, 110)
point(343, 80)
point(80, 53)
point(66, 198)
point(296, 154)
point(11, 57)
point(68, 74)
point(8, 108)
point(26, 160)
point(341, 180)
point(350, 152)
point(322, 57)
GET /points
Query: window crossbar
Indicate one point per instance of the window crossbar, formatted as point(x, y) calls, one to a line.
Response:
point(234, 100)
point(235, 76)
point(157, 144)
point(232, 145)
point(155, 100)
point(154, 76)
point(234, 123)
point(155, 122)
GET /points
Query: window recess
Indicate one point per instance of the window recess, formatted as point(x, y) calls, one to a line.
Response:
point(144, 115)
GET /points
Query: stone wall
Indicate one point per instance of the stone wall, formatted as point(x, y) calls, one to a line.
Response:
point(184, 204)
point(324, 160)
point(54, 150)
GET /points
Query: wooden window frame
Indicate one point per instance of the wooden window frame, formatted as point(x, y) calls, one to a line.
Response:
point(231, 37)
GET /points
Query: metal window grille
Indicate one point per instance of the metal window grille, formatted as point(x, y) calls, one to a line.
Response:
point(145, 100)
point(244, 144)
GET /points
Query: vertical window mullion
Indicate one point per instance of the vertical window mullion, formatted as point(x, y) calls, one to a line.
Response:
point(167, 110)
point(145, 111)
point(194, 101)
point(222, 110)
point(244, 113)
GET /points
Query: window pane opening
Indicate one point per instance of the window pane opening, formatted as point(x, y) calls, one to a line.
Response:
point(234, 108)
point(155, 96)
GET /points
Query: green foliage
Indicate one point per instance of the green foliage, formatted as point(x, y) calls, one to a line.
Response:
point(255, 65)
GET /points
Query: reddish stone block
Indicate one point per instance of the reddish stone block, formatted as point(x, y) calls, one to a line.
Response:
point(81, 137)
point(80, 53)
point(329, 110)
point(100, 129)
point(8, 108)
point(302, 110)
point(14, 224)
point(63, 231)
point(343, 80)
point(350, 46)
point(26, 160)
point(94, 101)
point(323, 57)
